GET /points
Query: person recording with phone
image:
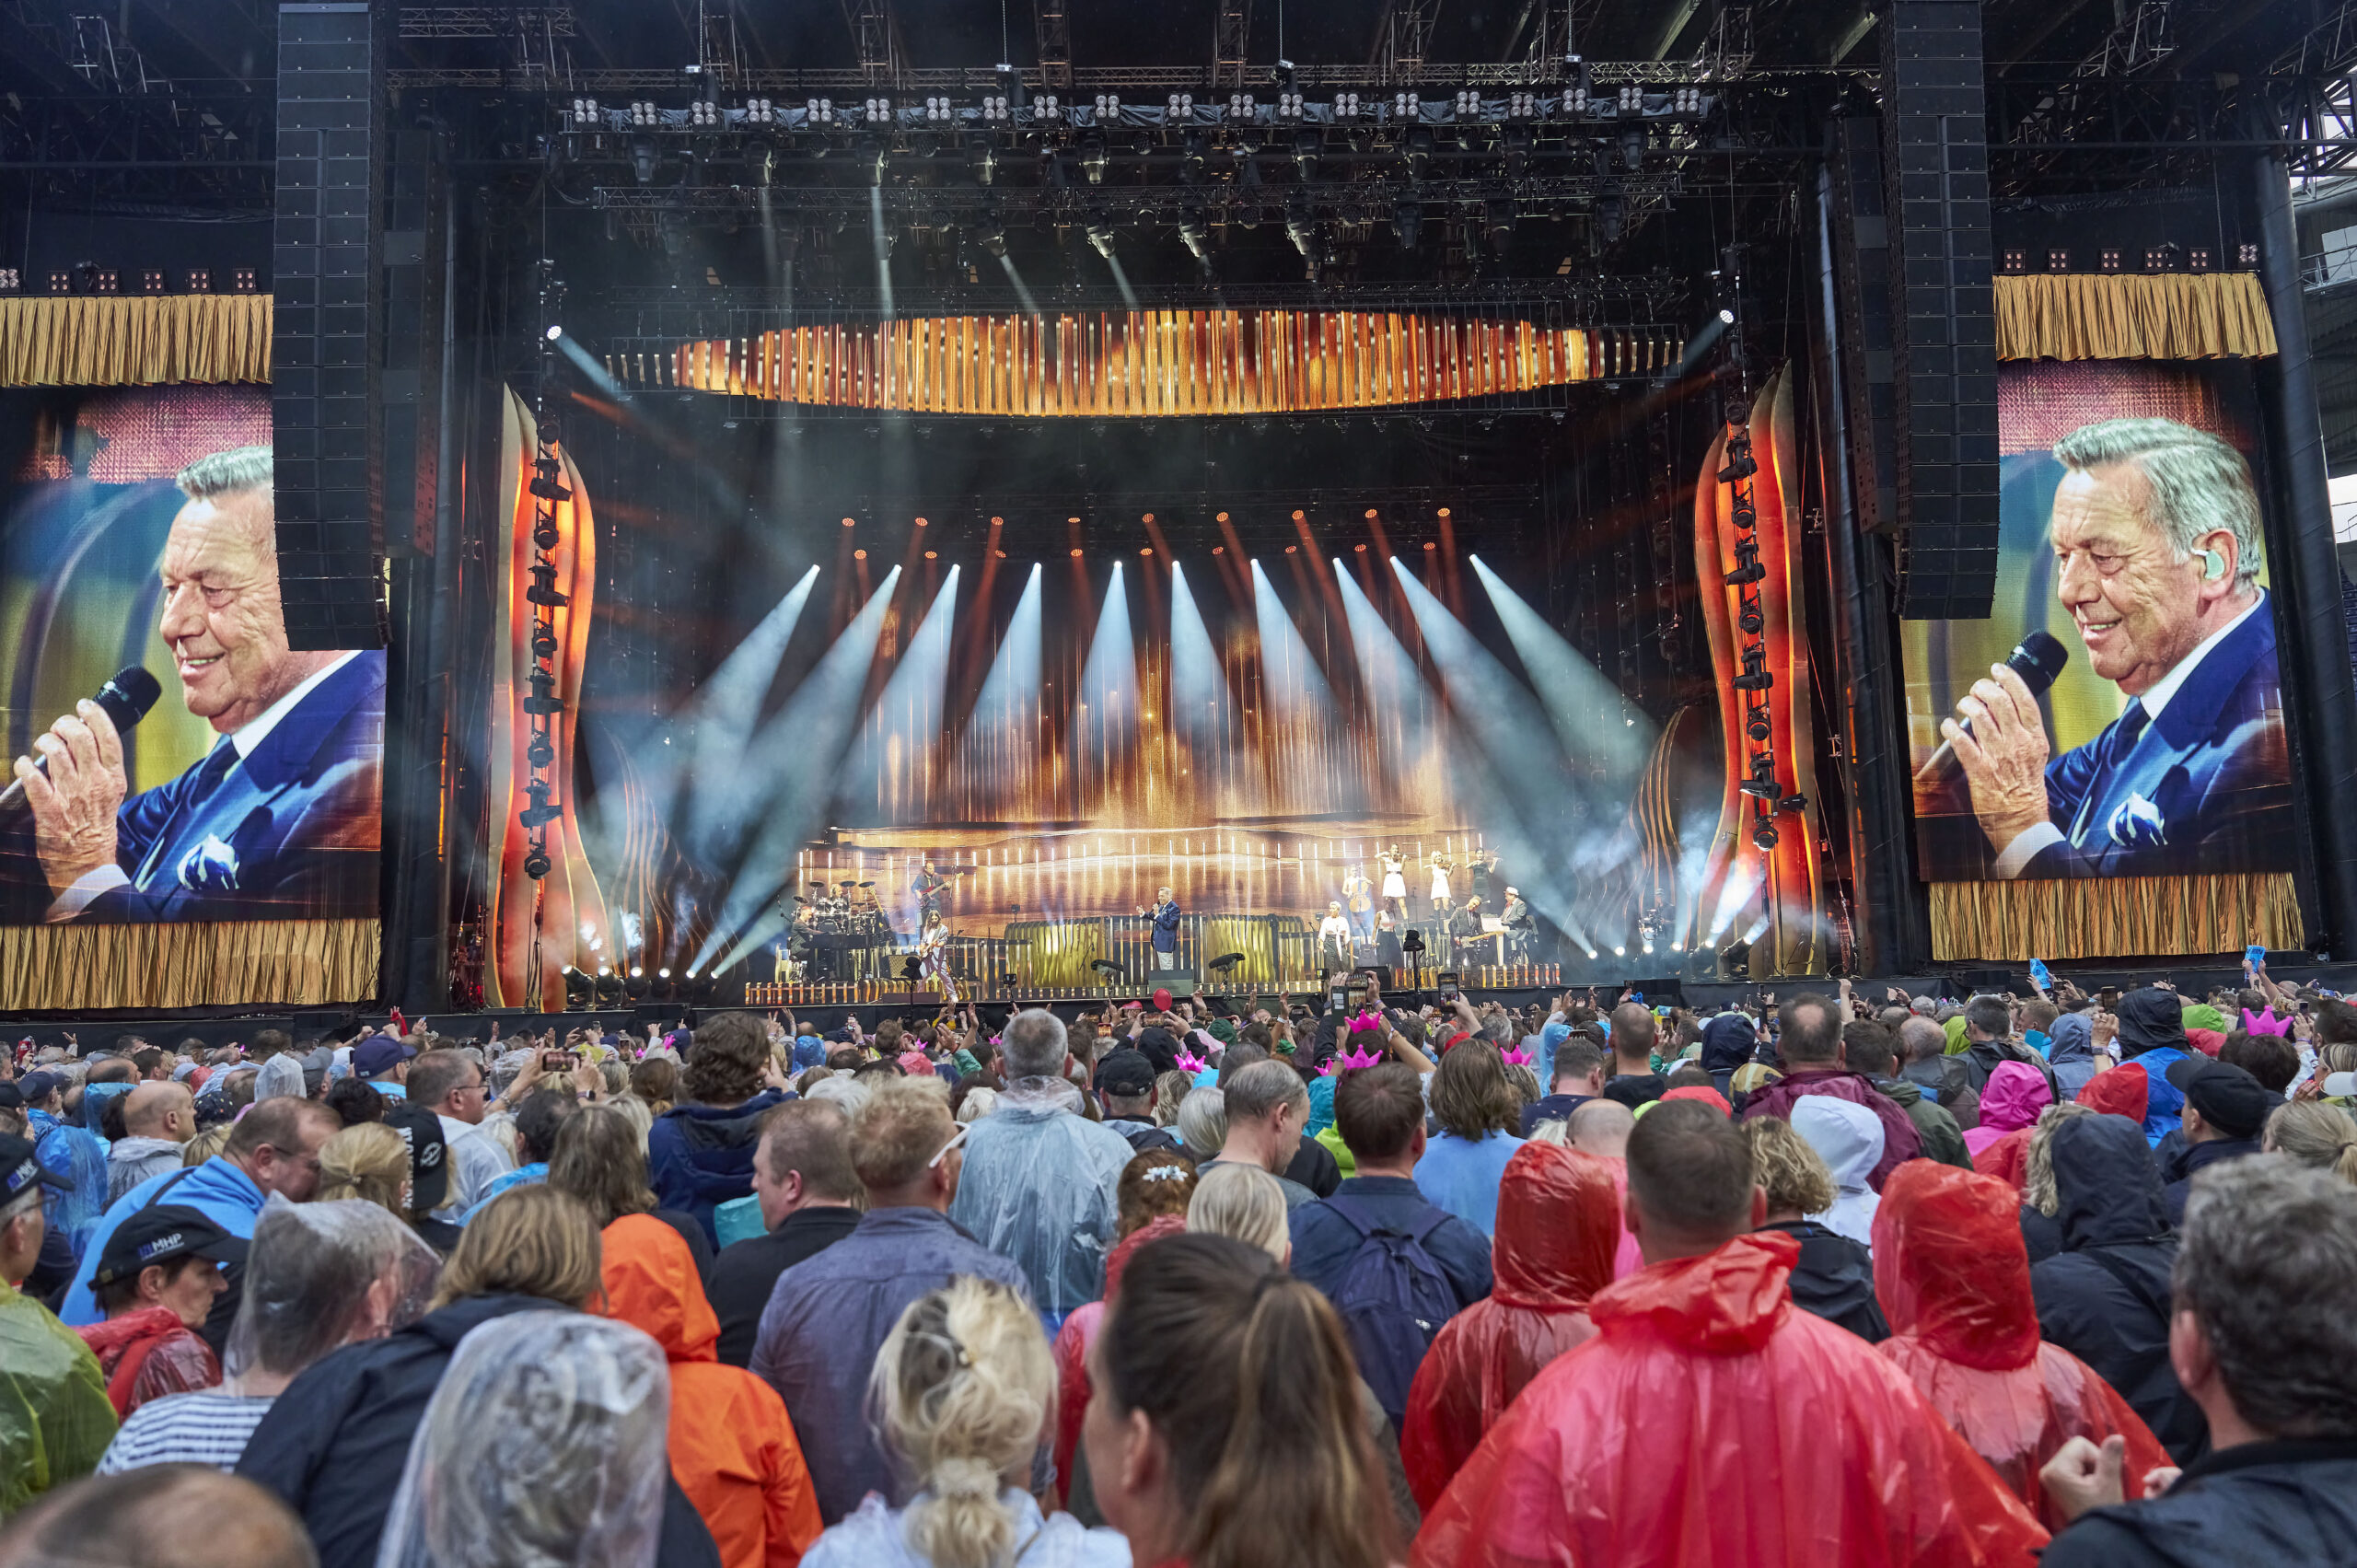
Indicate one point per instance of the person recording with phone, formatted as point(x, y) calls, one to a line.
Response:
point(2155, 532)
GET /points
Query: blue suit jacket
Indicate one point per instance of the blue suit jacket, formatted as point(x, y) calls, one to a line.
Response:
point(2206, 787)
point(1165, 928)
point(290, 834)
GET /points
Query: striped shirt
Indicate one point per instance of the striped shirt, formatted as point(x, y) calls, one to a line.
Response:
point(208, 1428)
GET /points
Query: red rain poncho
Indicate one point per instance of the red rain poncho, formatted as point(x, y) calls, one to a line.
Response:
point(1711, 1425)
point(1079, 1332)
point(2119, 1091)
point(1558, 1224)
point(1953, 1277)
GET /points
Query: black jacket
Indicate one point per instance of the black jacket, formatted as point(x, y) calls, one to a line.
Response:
point(2284, 1504)
point(2104, 1297)
point(2041, 1234)
point(333, 1445)
point(1835, 1280)
point(1315, 1167)
point(746, 1273)
point(2198, 1155)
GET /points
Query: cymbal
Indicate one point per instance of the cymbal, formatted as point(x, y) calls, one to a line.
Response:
point(800, 899)
point(865, 883)
point(851, 882)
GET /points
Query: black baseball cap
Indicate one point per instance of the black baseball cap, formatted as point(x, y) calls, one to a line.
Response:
point(429, 1164)
point(1126, 1074)
point(159, 1234)
point(2229, 1098)
point(20, 1169)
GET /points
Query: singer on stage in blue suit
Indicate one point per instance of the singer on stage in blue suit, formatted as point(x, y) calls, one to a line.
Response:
point(1165, 915)
point(281, 820)
point(2156, 552)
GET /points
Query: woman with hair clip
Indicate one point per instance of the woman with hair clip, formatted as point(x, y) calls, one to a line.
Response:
point(961, 1387)
point(1225, 1432)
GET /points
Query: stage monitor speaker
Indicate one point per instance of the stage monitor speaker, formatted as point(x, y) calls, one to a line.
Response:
point(326, 321)
point(1935, 172)
point(1179, 983)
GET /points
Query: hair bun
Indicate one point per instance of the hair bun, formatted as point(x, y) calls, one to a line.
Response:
point(964, 1476)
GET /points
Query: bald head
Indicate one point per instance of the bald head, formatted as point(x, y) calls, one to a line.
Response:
point(1601, 1127)
point(161, 1110)
point(141, 1519)
point(1920, 1040)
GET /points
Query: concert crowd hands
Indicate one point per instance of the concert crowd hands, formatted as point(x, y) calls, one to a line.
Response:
point(753, 1161)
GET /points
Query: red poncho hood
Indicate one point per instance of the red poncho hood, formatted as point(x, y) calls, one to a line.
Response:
point(1950, 1266)
point(1726, 1302)
point(1559, 1224)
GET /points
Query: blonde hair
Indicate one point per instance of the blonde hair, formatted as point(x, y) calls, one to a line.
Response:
point(368, 1161)
point(1555, 1130)
point(641, 1114)
point(1244, 1202)
point(897, 1130)
point(979, 1101)
point(531, 1240)
point(2324, 1136)
point(963, 1384)
point(1170, 1089)
point(2038, 1174)
point(1796, 1177)
point(206, 1145)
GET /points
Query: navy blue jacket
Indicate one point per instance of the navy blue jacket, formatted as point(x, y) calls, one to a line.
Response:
point(699, 1156)
point(1324, 1242)
point(2207, 787)
point(1165, 928)
point(2284, 1503)
point(291, 832)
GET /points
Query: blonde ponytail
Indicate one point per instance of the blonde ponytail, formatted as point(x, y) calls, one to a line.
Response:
point(963, 1381)
point(2317, 1134)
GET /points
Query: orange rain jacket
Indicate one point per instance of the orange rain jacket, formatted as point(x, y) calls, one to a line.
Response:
point(1712, 1424)
point(1559, 1226)
point(733, 1449)
point(1953, 1277)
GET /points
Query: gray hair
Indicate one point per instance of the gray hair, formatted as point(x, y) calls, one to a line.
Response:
point(1922, 1039)
point(1202, 1122)
point(1260, 1088)
point(1035, 1044)
point(2199, 484)
point(226, 473)
point(1244, 1202)
point(2268, 1266)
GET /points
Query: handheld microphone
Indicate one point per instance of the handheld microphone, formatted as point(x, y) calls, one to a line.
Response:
point(125, 700)
point(2038, 659)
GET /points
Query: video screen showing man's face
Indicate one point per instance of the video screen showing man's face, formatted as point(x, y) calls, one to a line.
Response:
point(220, 614)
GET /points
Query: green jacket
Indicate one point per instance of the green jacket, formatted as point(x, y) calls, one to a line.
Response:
point(55, 1419)
point(1943, 1139)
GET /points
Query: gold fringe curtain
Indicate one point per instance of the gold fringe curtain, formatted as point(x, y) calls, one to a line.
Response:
point(292, 963)
point(2132, 316)
point(2114, 917)
point(135, 340)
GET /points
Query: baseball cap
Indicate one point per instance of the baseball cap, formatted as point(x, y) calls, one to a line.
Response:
point(1126, 1074)
point(379, 1053)
point(2229, 1098)
point(159, 1234)
point(37, 1087)
point(20, 1169)
point(429, 1173)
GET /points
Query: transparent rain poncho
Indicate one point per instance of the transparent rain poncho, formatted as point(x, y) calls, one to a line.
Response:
point(322, 1276)
point(1038, 1186)
point(543, 1447)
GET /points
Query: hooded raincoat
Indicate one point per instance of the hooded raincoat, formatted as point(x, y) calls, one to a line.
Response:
point(1727, 1043)
point(2010, 1102)
point(1711, 1424)
point(2151, 1034)
point(1040, 1185)
point(1953, 1280)
point(1558, 1224)
point(2119, 1091)
point(732, 1447)
point(1848, 1139)
point(55, 1419)
point(1899, 1139)
point(2072, 1053)
point(2104, 1297)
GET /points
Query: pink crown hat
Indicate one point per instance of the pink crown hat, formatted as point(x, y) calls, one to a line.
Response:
point(1517, 1057)
point(1351, 1061)
point(2265, 1023)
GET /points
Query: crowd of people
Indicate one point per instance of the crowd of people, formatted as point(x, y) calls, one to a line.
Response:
point(2060, 1278)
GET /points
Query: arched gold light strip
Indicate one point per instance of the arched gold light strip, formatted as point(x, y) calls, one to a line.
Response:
point(1148, 362)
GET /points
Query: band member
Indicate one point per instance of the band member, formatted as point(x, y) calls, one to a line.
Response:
point(1520, 927)
point(1358, 902)
point(1395, 880)
point(1387, 939)
point(1165, 915)
point(1334, 939)
point(928, 885)
point(1479, 872)
point(1442, 902)
point(933, 958)
point(1465, 938)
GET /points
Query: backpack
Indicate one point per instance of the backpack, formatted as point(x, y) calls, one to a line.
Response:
point(1393, 1298)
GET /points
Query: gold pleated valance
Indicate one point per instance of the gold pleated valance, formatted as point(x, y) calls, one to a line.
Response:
point(2114, 917)
point(286, 963)
point(2132, 316)
point(133, 340)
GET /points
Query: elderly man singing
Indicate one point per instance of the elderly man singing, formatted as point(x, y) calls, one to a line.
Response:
point(2156, 557)
point(280, 819)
